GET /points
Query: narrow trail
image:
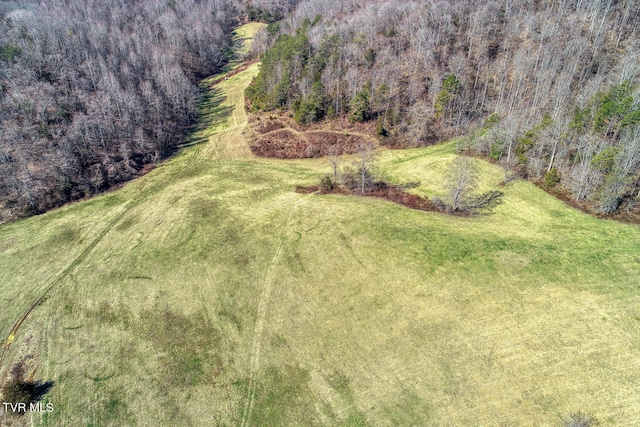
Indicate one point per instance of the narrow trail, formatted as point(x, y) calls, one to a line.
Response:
point(229, 143)
point(299, 133)
point(261, 317)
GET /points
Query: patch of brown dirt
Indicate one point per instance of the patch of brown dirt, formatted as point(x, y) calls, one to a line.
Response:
point(401, 197)
point(281, 144)
point(279, 136)
point(382, 190)
point(266, 126)
point(307, 190)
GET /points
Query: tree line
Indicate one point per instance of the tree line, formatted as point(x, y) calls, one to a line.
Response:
point(92, 91)
point(549, 89)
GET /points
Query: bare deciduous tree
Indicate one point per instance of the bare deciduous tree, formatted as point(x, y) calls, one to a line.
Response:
point(97, 90)
point(364, 166)
point(461, 180)
point(334, 160)
point(359, 175)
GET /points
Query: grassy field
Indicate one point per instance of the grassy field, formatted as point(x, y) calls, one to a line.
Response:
point(208, 292)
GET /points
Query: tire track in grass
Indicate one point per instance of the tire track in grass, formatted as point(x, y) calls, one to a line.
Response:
point(261, 317)
point(8, 342)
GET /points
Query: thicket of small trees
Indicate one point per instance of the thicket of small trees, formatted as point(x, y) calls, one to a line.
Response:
point(551, 88)
point(362, 176)
point(92, 91)
point(358, 176)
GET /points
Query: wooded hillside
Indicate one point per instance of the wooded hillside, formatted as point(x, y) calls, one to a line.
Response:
point(92, 91)
point(547, 88)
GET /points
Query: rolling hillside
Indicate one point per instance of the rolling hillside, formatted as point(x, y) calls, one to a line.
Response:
point(209, 292)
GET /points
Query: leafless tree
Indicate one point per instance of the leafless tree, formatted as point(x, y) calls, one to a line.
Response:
point(359, 175)
point(111, 86)
point(461, 181)
point(95, 90)
point(334, 160)
point(364, 166)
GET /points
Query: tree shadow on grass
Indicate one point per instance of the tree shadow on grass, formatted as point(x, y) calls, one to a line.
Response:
point(212, 114)
point(17, 391)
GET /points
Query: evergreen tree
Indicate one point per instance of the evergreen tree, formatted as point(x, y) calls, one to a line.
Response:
point(361, 105)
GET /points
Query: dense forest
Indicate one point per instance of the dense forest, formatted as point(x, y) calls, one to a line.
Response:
point(92, 91)
point(549, 89)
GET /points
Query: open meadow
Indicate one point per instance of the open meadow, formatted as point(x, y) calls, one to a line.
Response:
point(209, 292)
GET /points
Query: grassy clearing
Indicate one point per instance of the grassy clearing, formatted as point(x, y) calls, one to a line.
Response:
point(371, 313)
point(246, 33)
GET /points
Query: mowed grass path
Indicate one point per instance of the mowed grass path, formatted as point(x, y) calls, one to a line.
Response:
point(360, 311)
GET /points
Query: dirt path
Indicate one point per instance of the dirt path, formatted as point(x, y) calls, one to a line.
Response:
point(341, 133)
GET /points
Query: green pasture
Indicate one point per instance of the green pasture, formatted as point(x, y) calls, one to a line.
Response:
point(209, 292)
